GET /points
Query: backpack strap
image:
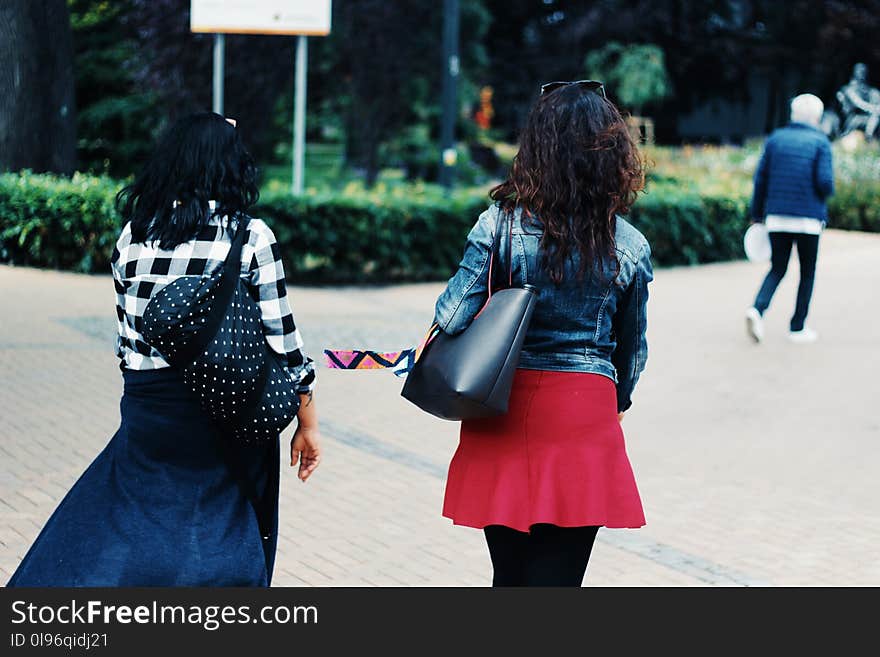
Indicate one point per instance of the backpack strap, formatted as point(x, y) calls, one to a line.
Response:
point(226, 289)
point(222, 297)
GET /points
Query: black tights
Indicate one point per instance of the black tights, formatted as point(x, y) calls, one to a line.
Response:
point(807, 250)
point(546, 556)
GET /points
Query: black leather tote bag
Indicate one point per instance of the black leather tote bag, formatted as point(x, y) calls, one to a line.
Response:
point(211, 329)
point(470, 375)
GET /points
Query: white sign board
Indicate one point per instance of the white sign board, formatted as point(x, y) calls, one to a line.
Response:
point(310, 17)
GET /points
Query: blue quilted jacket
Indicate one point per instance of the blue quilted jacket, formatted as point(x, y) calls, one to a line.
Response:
point(794, 176)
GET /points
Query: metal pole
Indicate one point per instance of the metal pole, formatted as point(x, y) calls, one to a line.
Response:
point(450, 78)
point(219, 51)
point(299, 114)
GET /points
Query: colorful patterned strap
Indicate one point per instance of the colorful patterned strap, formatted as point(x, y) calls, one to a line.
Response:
point(400, 362)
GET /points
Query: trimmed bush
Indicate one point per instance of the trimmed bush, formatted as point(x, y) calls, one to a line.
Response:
point(61, 223)
point(405, 234)
point(855, 206)
point(685, 228)
point(339, 239)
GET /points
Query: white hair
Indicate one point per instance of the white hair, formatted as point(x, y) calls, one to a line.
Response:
point(807, 108)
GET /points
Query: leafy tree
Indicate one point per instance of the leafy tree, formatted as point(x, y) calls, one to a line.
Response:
point(116, 117)
point(712, 48)
point(637, 72)
point(375, 82)
point(377, 75)
point(381, 68)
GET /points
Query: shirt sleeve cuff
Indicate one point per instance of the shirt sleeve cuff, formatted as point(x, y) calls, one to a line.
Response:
point(303, 377)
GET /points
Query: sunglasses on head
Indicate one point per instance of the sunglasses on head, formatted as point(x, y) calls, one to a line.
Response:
point(590, 85)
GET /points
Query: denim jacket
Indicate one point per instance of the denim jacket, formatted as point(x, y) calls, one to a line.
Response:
point(595, 324)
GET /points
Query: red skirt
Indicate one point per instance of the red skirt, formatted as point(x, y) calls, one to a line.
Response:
point(557, 457)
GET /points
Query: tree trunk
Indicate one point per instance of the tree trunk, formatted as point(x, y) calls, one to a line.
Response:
point(371, 157)
point(37, 118)
point(363, 138)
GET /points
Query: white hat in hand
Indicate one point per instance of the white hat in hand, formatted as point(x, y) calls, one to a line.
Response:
point(756, 243)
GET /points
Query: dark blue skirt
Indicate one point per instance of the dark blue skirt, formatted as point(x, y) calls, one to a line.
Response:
point(160, 505)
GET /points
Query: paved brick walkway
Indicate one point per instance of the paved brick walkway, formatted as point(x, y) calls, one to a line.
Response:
point(757, 465)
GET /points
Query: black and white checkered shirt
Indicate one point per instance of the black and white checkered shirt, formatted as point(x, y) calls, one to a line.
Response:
point(141, 270)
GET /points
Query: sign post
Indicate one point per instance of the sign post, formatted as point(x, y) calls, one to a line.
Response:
point(299, 17)
point(299, 114)
point(217, 91)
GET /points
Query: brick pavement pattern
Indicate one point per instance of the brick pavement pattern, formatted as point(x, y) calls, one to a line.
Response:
point(757, 464)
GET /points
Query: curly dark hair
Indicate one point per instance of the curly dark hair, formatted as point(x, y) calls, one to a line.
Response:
point(577, 168)
point(199, 158)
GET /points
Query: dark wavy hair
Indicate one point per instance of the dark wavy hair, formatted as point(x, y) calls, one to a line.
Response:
point(576, 169)
point(199, 158)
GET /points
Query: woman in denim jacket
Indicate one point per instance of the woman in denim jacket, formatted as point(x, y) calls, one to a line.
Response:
point(543, 478)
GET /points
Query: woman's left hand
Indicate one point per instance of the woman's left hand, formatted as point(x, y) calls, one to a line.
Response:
point(305, 449)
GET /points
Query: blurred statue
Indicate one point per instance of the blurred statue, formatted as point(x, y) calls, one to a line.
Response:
point(859, 104)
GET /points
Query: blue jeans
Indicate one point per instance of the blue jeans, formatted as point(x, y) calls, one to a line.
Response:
point(807, 250)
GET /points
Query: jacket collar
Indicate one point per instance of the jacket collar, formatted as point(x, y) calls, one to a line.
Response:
point(799, 124)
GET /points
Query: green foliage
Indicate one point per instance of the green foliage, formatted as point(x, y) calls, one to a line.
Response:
point(855, 206)
point(399, 231)
point(635, 73)
point(337, 239)
point(685, 228)
point(47, 221)
point(323, 167)
point(116, 119)
point(374, 82)
point(372, 71)
point(714, 172)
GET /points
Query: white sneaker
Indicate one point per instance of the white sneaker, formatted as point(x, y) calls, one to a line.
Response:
point(803, 336)
point(754, 324)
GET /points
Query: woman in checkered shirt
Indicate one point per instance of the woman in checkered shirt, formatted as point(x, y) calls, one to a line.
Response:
point(163, 504)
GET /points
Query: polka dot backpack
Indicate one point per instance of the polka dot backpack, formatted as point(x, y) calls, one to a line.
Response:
point(209, 327)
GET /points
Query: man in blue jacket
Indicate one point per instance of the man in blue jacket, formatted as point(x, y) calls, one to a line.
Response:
point(793, 180)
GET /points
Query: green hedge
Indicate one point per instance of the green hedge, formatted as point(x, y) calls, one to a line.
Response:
point(58, 222)
point(339, 239)
point(685, 228)
point(855, 206)
point(344, 238)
